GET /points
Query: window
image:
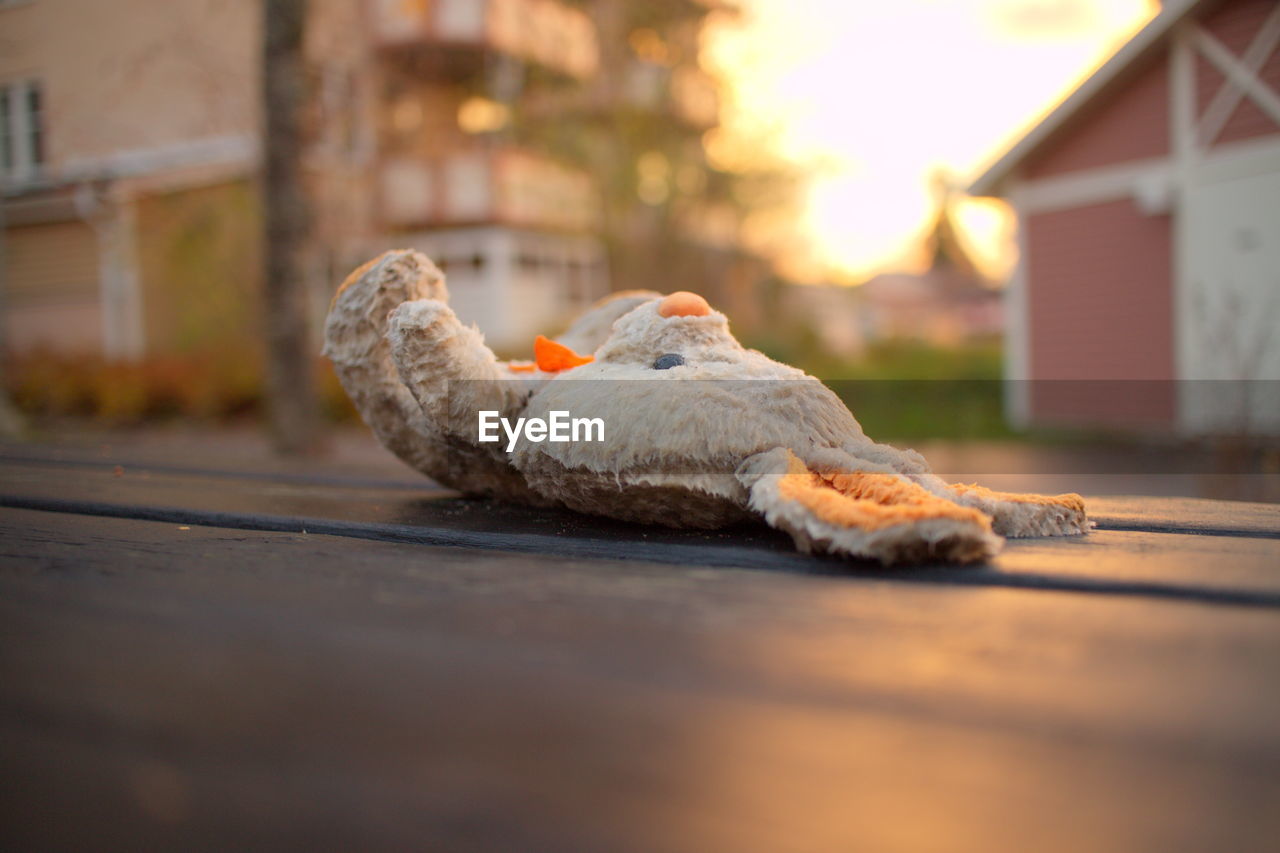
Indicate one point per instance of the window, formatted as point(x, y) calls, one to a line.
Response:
point(22, 132)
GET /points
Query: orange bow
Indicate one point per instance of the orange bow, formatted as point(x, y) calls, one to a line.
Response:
point(550, 357)
point(553, 357)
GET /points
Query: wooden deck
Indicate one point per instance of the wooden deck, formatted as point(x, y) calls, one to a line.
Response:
point(201, 656)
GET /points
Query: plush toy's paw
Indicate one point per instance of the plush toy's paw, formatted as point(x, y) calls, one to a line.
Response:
point(356, 343)
point(448, 368)
point(1016, 515)
point(427, 319)
point(871, 515)
point(356, 324)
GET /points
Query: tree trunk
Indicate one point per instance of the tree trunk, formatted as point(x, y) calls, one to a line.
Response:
point(292, 406)
point(11, 423)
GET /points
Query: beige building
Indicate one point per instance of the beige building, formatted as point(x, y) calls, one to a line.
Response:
point(130, 148)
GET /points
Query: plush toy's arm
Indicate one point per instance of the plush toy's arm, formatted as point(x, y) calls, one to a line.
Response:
point(355, 341)
point(864, 509)
point(449, 369)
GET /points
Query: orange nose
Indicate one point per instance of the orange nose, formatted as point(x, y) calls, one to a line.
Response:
point(682, 303)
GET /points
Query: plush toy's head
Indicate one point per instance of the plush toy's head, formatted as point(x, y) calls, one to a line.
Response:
point(678, 337)
point(683, 402)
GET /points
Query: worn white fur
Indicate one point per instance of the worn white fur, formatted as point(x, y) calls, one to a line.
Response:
point(700, 444)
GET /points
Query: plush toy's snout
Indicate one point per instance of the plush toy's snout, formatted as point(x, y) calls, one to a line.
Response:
point(682, 303)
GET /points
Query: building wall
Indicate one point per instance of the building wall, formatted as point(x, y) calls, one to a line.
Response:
point(199, 259)
point(1100, 308)
point(1132, 124)
point(134, 75)
point(138, 99)
point(152, 132)
point(51, 300)
point(155, 106)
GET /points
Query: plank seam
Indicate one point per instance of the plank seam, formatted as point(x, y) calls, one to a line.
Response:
point(667, 553)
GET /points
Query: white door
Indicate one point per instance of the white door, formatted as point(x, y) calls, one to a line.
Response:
point(1229, 299)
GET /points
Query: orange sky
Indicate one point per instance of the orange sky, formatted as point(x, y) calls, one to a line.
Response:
point(883, 93)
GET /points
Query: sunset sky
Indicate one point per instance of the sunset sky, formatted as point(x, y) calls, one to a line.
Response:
point(883, 94)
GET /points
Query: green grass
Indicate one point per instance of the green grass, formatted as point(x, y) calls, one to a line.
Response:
point(910, 390)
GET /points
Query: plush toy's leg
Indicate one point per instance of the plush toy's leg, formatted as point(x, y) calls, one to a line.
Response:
point(892, 458)
point(1017, 515)
point(869, 513)
point(1012, 515)
point(354, 340)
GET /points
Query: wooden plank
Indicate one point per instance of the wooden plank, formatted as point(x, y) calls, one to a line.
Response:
point(1191, 515)
point(222, 689)
point(1236, 569)
point(1116, 512)
point(395, 476)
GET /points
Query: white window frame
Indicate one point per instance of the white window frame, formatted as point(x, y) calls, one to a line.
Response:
point(23, 166)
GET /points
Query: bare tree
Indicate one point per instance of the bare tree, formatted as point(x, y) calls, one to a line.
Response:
point(292, 403)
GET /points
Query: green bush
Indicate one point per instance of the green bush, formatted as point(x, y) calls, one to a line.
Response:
point(206, 386)
point(907, 389)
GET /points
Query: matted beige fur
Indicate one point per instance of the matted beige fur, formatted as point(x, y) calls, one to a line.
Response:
point(727, 435)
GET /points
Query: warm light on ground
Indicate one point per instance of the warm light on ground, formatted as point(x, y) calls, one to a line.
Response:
point(886, 95)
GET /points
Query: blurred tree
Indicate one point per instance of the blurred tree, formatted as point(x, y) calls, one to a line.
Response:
point(943, 244)
point(10, 421)
point(670, 218)
point(292, 402)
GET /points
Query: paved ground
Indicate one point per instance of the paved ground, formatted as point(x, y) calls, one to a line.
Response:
point(204, 648)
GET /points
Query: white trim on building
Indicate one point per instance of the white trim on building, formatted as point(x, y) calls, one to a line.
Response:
point(1017, 325)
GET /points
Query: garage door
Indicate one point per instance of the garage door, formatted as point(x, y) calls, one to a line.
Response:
point(52, 300)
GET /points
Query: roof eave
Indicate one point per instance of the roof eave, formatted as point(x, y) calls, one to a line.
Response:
point(992, 181)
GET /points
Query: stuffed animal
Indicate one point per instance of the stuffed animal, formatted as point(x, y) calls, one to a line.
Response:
point(698, 431)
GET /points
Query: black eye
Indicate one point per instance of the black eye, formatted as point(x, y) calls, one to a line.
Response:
point(665, 362)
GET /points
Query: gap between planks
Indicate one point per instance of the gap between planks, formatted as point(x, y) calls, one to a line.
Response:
point(659, 552)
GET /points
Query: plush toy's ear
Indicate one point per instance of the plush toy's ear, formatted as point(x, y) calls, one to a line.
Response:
point(867, 514)
point(594, 326)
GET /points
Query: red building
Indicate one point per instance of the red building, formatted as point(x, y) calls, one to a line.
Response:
point(1148, 207)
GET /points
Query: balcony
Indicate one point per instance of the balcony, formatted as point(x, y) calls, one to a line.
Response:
point(686, 94)
point(693, 97)
point(545, 32)
point(505, 186)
